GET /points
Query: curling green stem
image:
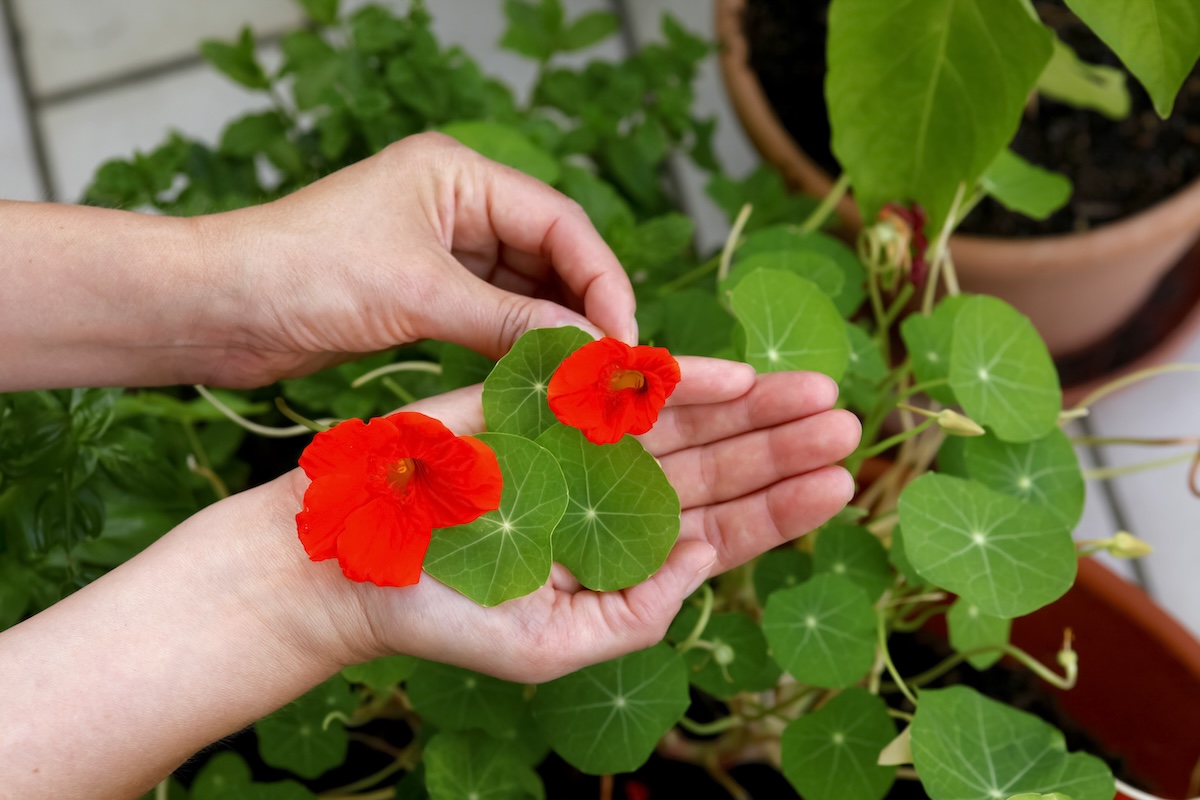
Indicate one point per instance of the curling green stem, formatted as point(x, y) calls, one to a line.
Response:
point(917, 388)
point(705, 612)
point(406, 397)
point(297, 418)
point(254, 427)
point(401, 366)
point(1100, 473)
point(881, 628)
point(1133, 378)
point(899, 302)
point(917, 622)
point(689, 277)
point(710, 728)
point(892, 441)
point(938, 257)
point(821, 213)
point(731, 243)
point(1011, 650)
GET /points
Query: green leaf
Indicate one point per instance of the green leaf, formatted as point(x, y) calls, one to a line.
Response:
point(296, 737)
point(1004, 556)
point(226, 777)
point(237, 60)
point(533, 28)
point(792, 239)
point(970, 628)
point(865, 371)
point(462, 366)
point(899, 559)
point(790, 324)
point(822, 631)
point(587, 30)
point(607, 718)
point(818, 268)
point(457, 699)
point(929, 340)
point(831, 753)
point(1097, 87)
point(605, 207)
point(734, 656)
point(780, 569)
point(653, 244)
point(1001, 371)
point(473, 766)
point(525, 736)
point(1025, 188)
point(854, 553)
point(622, 518)
point(695, 324)
point(381, 674)
point(911, 121)
point(323, 12)
point(764, 190)
point(1157, 40)
point(506, 145)
point(514, 395)
point(968, 747)
point(1044, 472)
point(505, 553)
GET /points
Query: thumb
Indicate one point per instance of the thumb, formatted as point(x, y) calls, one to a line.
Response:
point(489, 320)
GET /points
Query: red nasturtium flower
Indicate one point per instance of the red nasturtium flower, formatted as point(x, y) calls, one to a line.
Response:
point(380, 488)
point(607, 389)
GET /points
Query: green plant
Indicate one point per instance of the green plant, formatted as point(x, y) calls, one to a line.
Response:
point(979, 504)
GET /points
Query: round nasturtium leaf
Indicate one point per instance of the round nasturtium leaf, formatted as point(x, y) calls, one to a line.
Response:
point(928, 340)
point(514, 395)
point(607, 718)
point(733, 656)
point(622, 516)
point(297, 738)
point(818, 268)
point(791, 239)
point(505, 553)
point(968, 747)
point(457, 699)
point(831, 753)
point(507, 145)
point(227, 777)
point(899, 559)
point(695, 324)
point(971, 628)
point(865, 371)
point(822, 632)
point(789, 324)
point(855, 553)
point(381, 674)
point(1005, 556)
point(1001, 371)
point(1044, 472)
point(470, 765)
point(780, 569)
point(525, 737)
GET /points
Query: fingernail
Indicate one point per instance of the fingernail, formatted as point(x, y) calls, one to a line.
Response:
point(583, 325)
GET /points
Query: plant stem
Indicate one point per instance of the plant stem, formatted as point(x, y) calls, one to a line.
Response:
point(1008, 649)
point(299, 419)
point(401, 366)
point(822, 212)
point(881, 627)
point(690, 276)
point(731, 243)
point(896, 713)
point(718, 774)
point(892, 441)
point(899, 302)
point(915, 623)
point(1149, 442)
point(1100, 473)
point(1133, 378)
point(398, 765)
point(254, 427)
point(710, 728)
point(701, 623)
point(406, 397)
point(163, 787)
point(940, 251)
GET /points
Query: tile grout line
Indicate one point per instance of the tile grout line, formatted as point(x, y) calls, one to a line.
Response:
point(33, 122)
point(1115, 505)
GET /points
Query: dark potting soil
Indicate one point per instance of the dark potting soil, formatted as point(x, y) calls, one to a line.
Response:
point(1117, 167)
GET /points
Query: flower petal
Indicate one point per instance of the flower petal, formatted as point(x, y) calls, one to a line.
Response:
point(328, 501)
point(384, 543)
point(346, 448)
point(460, 480)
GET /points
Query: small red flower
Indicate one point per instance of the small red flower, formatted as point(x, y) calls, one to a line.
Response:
point(607, 389)
point(380, 488)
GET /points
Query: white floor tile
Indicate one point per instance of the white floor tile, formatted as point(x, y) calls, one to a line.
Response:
point(1159, 507)
point(84, 132)
point(18, 178)
point(72, 43)
point(733, 149)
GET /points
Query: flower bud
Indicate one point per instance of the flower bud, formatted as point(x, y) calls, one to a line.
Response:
point(956, 424)
point(1125, 545)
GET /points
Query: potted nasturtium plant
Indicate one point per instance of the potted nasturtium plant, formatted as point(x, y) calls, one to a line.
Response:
point(969, 488)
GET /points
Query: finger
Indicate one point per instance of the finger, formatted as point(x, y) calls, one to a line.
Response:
point(742, 529)
point(528, 216)
point(710, 380)
point(460, 410)
point(733, 467)
point(773, 399)
point(616, 623)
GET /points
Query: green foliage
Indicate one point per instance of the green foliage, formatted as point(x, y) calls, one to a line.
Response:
point(832, 753)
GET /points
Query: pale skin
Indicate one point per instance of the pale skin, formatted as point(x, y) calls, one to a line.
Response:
point(225, 619)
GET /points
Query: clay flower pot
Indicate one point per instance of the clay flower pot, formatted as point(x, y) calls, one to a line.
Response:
point(1076, 288)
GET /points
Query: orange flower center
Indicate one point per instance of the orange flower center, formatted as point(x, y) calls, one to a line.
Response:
point(626, 379)
point(400, 473)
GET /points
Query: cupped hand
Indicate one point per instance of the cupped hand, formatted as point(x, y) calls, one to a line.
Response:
point(426, 239)
point(751, 458)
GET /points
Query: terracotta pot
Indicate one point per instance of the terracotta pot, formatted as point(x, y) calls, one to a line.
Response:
point(1138, 692)
point(1076, 288)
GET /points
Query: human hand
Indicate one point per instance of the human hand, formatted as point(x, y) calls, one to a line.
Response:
point(750, 457)
point(426, 239)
